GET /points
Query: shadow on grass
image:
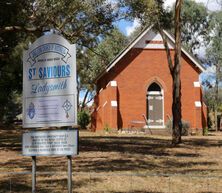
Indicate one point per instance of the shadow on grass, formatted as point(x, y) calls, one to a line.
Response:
point(58, 184)
point(134, 153)
point(11, 139)
point(203, 142)
point(133, 145)
point(15, 185)
point(134, 191)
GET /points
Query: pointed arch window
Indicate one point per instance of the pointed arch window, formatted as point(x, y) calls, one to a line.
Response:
point(154, 87)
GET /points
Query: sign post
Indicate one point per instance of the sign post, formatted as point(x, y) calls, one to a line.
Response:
point(33, 174)
point(50, 100)
point(51, 143)
point(69, 174)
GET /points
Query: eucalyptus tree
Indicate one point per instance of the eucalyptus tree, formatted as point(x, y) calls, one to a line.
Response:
point(195, 22)
point(93, 61)
point(214, 56)
point(21, 22)
point(10, 57)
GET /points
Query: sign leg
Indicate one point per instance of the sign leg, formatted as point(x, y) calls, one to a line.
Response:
point(33, 174)
point(69, 174)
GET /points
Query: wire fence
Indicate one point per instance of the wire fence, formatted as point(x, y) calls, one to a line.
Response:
point(92, 182)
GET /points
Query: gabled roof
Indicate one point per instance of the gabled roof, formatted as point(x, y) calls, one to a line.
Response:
point(136, 40)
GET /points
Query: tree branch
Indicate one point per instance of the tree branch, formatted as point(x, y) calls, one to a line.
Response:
point(19, 28)
point(177, 53)
point(84, 100)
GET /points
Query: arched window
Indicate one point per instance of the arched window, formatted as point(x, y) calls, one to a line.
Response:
point(154, 87)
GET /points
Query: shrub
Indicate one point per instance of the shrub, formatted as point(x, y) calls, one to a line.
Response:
point(106, 128)
point(205, 131)
point(83, 119)
point(185, 127)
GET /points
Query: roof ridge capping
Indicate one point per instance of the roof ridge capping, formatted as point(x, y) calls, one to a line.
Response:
point(137, 39)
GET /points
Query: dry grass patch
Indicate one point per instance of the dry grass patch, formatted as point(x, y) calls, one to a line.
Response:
point(118, 163)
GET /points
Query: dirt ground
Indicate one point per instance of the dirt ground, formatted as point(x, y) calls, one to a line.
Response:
point(111, 163)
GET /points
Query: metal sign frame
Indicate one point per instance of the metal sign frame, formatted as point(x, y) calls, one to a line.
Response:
point(49, 83)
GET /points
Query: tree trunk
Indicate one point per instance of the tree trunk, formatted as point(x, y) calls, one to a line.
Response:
point(176, 109)
point(176, 106)
point(216, 95)
point(84, 100)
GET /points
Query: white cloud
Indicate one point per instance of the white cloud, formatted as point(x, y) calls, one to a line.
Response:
point(211, 70)
point(169, 3)
point(212, 5)
point(130, 29)
point(113, 3)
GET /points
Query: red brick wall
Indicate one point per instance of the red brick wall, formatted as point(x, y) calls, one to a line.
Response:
point(134, 73)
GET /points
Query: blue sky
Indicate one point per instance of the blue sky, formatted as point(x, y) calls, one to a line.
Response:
point(127, 27)
point(122, 25)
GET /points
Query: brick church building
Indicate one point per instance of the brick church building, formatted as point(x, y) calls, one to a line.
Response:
point(135, 89)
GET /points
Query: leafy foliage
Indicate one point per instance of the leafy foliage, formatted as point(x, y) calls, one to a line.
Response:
point(93, 61)
point(83, 119)
point(11, 46)
point(21, 22)
point(194, 19)
point(214, 57)
point(214, 51)
point(209, 99)
point(12, 108)
point(195, 22)
point(148, 12)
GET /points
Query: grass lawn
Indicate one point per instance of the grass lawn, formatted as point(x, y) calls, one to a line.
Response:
point(112, 163)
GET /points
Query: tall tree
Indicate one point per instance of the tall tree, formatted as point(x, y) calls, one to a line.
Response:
point(195, 22)
point(175, 72)
point(214, 55)
point(152, 12)
point(11, 45)
point(21, 22)
point(93, 61)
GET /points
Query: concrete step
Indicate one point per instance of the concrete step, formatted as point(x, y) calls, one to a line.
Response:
point(156, 131)
point(151, 131)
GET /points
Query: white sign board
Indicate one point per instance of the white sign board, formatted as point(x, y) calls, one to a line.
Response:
point(46, 143)
point(49, 83)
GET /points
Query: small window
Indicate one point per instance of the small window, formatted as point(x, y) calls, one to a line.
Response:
point(154, 87)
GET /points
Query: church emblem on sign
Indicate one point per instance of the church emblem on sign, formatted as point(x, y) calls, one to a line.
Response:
point(31, 110)
point(67, 106)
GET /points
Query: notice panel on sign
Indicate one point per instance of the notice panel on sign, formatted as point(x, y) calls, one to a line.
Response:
point(45, 110)
point(46, 143)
